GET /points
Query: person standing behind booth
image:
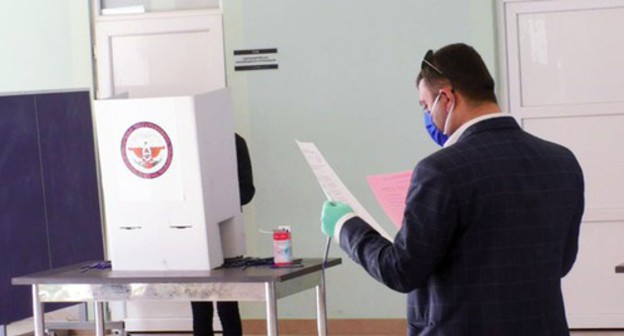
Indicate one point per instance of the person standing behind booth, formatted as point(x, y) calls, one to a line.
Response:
point(491, 221)
point(227, 310)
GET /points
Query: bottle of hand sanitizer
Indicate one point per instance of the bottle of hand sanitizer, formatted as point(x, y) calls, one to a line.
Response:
point(282, 246)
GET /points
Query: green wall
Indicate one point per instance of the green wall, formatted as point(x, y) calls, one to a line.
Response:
point(44, 45)
point(345, 82)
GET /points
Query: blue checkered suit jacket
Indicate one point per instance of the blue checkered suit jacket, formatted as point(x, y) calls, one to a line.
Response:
point(491, 226)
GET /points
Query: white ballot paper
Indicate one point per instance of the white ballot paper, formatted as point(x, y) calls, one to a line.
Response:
point(333, 188)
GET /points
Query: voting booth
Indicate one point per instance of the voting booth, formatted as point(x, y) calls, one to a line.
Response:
point(169, 180)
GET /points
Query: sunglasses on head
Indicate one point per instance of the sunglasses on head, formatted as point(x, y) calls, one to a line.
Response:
point(426, 61)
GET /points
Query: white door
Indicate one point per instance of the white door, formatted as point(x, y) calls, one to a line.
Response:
point(154, 48)
point(159, 53)
point(563, 78)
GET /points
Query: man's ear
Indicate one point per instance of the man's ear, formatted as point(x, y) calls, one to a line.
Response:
point(451, 96)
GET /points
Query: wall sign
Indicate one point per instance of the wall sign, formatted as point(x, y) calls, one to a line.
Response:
point(255, 59)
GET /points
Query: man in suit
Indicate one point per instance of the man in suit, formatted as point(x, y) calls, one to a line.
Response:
point(491, 221)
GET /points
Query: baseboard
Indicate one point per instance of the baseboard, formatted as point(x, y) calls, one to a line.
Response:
point(334, 326)
point(341, 327)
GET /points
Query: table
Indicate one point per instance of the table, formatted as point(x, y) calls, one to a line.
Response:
point(257, 283)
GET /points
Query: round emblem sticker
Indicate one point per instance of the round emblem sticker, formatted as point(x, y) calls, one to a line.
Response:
point(146, 150)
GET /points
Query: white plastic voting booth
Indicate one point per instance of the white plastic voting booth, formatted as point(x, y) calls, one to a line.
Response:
point(170, 183)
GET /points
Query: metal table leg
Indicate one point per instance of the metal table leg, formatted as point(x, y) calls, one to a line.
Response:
point(99, 318)
point(321, 311)
point(37, 311)
point(271, 308)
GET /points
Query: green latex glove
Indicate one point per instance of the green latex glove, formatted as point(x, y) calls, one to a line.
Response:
point(332, 212)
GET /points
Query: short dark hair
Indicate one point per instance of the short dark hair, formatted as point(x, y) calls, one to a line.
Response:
point(463, 67)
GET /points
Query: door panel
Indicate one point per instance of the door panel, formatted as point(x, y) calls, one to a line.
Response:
point(571, 56)
point(592, 290)
point(160, 54)
point(142, 64)
point(562, 78)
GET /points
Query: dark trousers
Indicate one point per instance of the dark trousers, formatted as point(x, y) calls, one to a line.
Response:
point(228, 314)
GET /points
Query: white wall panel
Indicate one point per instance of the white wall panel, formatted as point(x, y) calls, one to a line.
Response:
point(571, 56)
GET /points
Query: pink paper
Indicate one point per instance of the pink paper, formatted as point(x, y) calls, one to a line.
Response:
point(391, 191)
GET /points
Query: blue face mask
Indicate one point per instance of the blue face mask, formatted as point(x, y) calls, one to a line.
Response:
point(436, 134)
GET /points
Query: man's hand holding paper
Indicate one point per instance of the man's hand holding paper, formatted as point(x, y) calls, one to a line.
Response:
point(332, 213)
point(333, 187)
